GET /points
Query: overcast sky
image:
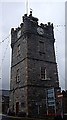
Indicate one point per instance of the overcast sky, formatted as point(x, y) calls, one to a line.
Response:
point(66, 46)
point(11, 12)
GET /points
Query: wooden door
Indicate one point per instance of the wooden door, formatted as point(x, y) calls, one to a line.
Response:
point(17, 107)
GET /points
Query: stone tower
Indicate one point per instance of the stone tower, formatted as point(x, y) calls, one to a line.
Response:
point(33, 67)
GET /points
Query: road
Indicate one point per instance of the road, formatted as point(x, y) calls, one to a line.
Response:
point(5, 117)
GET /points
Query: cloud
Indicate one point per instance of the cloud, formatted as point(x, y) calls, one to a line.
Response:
point(11, 17)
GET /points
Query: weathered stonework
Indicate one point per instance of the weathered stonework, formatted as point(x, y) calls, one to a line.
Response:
point(30, 90)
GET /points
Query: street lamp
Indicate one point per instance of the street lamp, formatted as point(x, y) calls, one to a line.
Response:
point(13, 99)
point(60, 96)
point(38, 107)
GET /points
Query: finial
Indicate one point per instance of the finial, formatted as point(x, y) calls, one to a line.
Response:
point(31, 11)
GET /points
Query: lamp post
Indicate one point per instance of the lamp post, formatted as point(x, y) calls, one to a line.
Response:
point(38, 107)
point(60, 96)
point(13, 99)
point(46, 105)
point(38, 104)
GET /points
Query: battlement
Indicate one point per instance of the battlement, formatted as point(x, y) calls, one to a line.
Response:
point(30, 25)
point(30, 19)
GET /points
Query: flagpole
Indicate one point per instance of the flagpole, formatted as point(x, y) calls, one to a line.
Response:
point(26, 7)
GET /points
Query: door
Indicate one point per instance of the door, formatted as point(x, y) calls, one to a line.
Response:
point(17, 107)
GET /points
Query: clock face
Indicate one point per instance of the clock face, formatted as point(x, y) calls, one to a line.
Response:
point(40, 31)
point(19, 34)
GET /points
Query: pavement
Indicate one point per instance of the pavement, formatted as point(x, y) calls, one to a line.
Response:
point(0, 116)
point(5, 117)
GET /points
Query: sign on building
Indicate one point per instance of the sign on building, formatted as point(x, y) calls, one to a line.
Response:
point(51, 97)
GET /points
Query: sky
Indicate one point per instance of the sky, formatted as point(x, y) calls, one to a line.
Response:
point(66, 46)
point(11, 12)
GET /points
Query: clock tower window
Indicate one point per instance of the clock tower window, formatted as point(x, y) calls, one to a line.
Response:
point(18, 50)
point(41, 47)
point(43, 73)
point(18, 76)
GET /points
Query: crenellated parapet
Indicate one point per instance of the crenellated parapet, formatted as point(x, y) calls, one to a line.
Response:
point(30, 26)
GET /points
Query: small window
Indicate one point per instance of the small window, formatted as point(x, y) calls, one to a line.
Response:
point(18, 50)
point(23, 105)
point(41, 47)
point(18, 75)
point(43, 73)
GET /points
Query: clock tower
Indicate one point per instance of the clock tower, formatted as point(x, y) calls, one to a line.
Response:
point(33, 67)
